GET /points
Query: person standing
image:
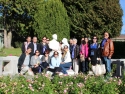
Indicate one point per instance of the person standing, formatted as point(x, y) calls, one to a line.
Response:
point(94, 51)
point(34, 46)
point(43, 46)
point(75, 56)
point(107, 50)
point(25, 44)
point(84, 52)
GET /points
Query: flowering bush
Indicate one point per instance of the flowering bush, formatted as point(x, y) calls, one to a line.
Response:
point(42, 84)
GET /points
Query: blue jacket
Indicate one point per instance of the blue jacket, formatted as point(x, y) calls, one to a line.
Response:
point(55, 62)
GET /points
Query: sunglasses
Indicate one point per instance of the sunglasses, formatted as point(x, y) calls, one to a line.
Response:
point(46, 53)
point(44, 39)
point(55, 54)
point(65, 48)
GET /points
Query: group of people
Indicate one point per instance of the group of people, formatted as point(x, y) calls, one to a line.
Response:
point(54, 56)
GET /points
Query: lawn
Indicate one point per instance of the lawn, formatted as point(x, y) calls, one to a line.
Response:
point(10, 52)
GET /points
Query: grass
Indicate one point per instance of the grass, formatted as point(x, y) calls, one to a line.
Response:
point(10, 52)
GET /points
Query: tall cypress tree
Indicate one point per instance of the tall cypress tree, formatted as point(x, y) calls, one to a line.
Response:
point(51, 18)
point(93, 17)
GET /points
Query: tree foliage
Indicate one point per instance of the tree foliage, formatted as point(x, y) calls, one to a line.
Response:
point(18, 19)
point(18, 15)
point(36, 17)
point(51, 18)
point(93, 17)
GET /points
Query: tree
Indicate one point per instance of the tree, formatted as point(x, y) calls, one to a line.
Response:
point(34, 17)
point(51, 18)
point(93, 17)
point(18, 18)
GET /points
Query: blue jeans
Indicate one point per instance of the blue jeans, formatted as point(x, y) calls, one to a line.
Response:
point(65, 66)
point(107, 63)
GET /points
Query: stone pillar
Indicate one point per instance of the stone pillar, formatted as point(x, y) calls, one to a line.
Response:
point(10, 65)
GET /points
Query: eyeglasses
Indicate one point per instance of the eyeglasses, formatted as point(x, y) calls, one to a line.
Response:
point(55, 54)
point(37, 52)
point(46, 53)
point(94, 38)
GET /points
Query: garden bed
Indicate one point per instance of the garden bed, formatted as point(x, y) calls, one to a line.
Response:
point(80, 84)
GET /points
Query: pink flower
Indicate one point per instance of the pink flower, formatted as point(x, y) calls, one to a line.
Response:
point(10, 55)
point(43, 85)
point(31, 89)
point(36, 76)
point(71, 83)
point(22, 85)
point(119, 82)
point(65, 91)
point(30, 85)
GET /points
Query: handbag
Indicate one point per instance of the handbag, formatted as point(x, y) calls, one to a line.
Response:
point(82, 58)
point(99, 69)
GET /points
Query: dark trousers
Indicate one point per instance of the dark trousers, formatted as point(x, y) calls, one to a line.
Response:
point(119, 72)
point(44, 65)
point(85, 65)
point(36, 70)
point(56, 69)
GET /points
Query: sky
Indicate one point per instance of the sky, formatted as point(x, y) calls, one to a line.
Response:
point(122, 3)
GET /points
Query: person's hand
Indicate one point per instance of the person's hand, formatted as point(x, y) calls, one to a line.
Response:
point(43, 61)
point(99, 59)
point(30, 69)
point(89, 58)
point(109, 57)
point(81, 55)
point(36, 65)
point(23, 66)
point(62, 62)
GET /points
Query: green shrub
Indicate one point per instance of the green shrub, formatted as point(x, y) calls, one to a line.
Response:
point(80, 84)
point(18, 44)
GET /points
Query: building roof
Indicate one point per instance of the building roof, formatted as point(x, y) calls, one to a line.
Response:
point(122, 36)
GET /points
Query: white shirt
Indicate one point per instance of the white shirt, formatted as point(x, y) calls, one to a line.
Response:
point(67, 57)
point(26, 61)
point(35, 47)
point(26, 45)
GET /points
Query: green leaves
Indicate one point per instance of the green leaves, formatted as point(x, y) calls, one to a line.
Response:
point(51, 18)
point(93, 17)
